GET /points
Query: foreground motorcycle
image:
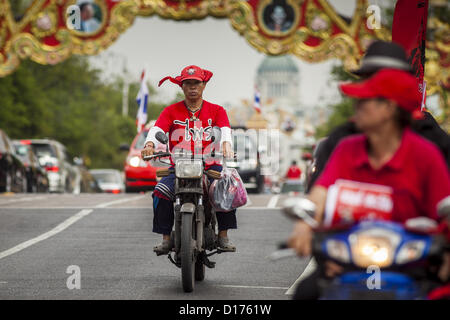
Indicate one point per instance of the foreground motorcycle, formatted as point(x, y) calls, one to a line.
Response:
point(195, 221)
point(379, 259)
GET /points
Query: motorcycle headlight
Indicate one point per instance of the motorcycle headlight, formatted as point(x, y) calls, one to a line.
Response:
point(186, 168)
point(374, 247)
point(338, 250)
point(410, 251)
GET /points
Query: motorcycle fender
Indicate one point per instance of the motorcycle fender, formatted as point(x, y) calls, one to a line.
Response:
point(187, 208)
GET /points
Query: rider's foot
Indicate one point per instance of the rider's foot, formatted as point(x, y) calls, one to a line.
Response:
point(163, 248)
point(224, 244)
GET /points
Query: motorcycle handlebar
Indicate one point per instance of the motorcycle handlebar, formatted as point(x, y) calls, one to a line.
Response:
point(157, 155)
point(168, 154)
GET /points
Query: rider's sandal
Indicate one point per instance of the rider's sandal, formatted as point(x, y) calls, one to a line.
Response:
point(163, 248)
point(224, 244)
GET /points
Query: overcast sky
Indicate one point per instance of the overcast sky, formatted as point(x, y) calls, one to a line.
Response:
point(166, 46)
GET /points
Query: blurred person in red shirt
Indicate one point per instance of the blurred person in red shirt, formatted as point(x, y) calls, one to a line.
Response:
point(294, 171)
point(388, 155)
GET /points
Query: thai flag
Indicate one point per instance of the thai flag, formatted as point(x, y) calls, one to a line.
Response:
point(142, 99)
point(257, 102)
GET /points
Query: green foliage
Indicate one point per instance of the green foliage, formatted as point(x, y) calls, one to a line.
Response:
point(338, 73)
point(68, 102)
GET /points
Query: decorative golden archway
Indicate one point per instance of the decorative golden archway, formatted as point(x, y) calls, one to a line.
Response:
point(309, 29)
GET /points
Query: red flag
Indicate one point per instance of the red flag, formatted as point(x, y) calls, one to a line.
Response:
point(409, 29)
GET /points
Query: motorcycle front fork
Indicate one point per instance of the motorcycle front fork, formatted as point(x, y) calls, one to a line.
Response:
point(199, 223)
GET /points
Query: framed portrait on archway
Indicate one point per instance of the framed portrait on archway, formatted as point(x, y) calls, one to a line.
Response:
point(278, 18)
point(88, 17)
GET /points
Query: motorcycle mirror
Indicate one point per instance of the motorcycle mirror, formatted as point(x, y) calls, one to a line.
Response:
point(443, 207)
point(300, 208)
point(161, 137)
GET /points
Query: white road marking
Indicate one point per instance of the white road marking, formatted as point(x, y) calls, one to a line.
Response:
point(273, 201)
point(107, 204)
point(23, 199)
point(59, 228)
point(257, 208)
point(310, 268)
point(62, 226)
point(251, 287)
point(72, 208)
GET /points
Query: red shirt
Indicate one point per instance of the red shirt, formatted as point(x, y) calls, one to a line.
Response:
point(188, 133)
point(417, 173)
point(294, 172)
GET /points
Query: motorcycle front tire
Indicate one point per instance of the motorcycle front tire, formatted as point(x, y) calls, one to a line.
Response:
point(187, 253)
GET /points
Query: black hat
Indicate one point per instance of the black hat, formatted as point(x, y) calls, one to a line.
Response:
point(382, 54)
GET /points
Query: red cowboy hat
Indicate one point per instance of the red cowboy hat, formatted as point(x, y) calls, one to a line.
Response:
point(190, 72)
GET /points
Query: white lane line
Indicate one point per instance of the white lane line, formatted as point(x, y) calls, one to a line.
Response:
point(251, 287)
point(273, 201)
point(22, 200)
point(257, 208)
point(61, 227)
point(310, 268)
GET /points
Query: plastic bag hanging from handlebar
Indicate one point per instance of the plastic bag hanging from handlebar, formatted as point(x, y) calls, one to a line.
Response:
point(228, 192)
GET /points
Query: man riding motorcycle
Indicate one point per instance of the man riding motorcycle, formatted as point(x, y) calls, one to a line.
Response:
point(189, 124)
point(387, 154)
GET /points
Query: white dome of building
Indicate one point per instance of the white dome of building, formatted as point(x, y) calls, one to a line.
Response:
point(277, 79)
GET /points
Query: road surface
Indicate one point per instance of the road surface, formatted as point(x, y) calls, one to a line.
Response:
point(99, 246)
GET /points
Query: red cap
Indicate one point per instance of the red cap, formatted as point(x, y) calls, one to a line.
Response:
point(393, 84)
point(190, 72)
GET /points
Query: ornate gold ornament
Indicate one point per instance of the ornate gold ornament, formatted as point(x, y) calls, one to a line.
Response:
point(45, 23)
point(309, 29)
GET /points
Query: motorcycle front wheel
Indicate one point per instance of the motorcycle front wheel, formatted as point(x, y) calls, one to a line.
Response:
point(187, 253)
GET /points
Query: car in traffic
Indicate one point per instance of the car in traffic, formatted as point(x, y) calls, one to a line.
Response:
point(87, 182)
point(248, 163)
point(62, 175)
point(109, 180)
point(293, 187)
point(140, 175)
point(13, 177)
point(37, 179)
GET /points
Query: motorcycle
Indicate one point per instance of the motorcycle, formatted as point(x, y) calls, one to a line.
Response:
point(378, 259)
point(194, 231)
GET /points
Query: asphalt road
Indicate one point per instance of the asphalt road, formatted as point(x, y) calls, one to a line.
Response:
point(46, 240)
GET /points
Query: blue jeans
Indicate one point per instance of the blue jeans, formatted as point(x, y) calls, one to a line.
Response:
point(163, 218)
